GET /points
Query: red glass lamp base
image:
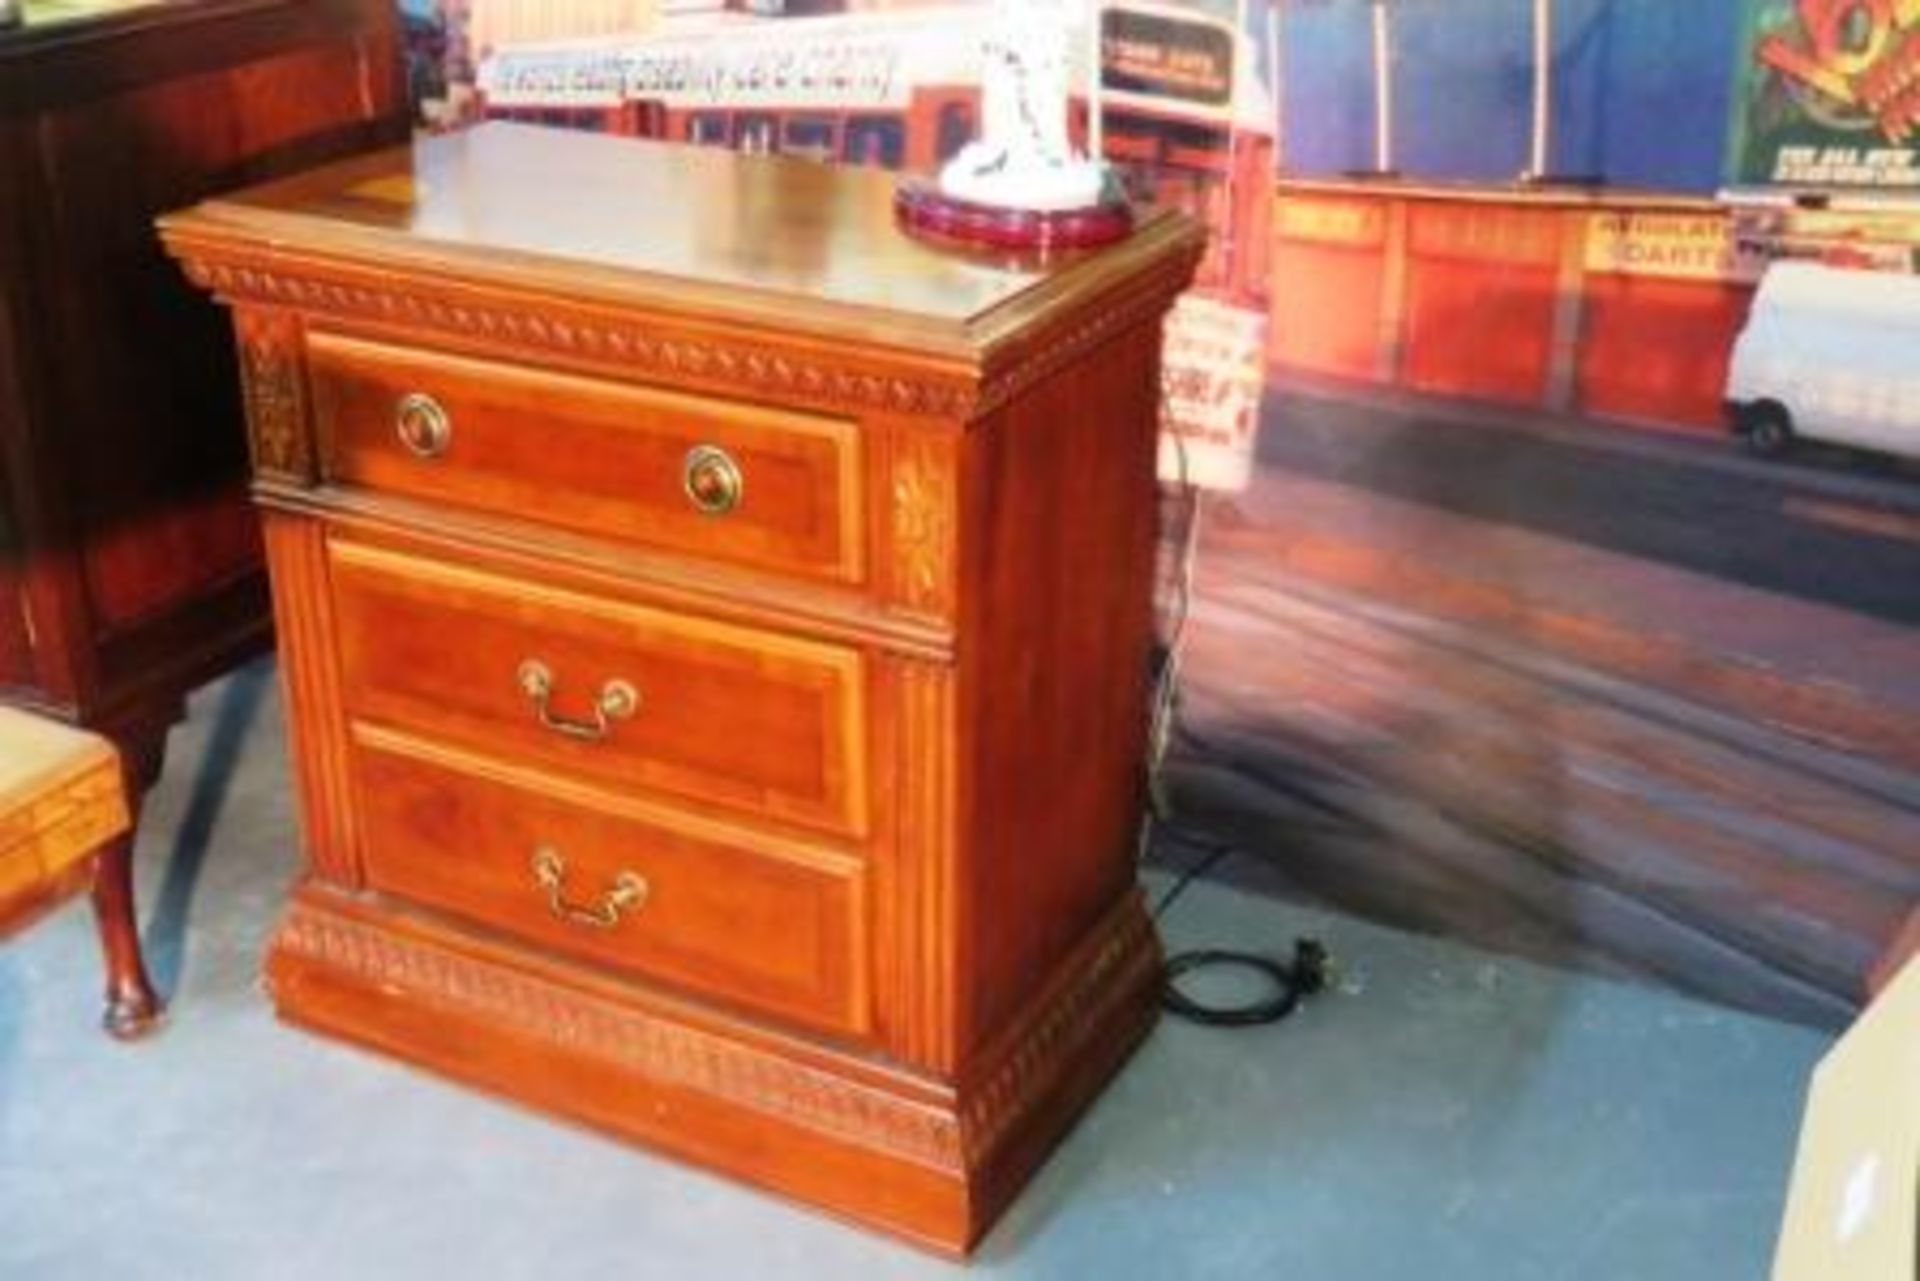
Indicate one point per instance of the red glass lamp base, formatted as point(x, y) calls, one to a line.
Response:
point(923, 209)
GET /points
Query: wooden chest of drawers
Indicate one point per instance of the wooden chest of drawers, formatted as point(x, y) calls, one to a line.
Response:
point(715, 630)
point(130, 564)
point(129, 561)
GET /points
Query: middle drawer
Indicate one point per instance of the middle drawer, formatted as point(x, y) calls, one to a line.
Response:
point(764, 723)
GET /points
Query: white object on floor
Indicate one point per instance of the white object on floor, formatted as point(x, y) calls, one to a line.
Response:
point(1853, 1208)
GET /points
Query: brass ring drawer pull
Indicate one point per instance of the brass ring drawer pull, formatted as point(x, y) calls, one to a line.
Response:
point(422, 425)
point(617, 701)
point(629, 893)
point(711, 479)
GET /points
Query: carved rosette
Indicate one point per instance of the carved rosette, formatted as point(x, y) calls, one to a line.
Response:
point(272, 379)
point(923, 500)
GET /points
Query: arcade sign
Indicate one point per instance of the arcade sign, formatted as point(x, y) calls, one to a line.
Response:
point(1160, 56)
point(1669, 245)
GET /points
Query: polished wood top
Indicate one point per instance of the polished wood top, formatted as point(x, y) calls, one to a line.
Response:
point(765, 238)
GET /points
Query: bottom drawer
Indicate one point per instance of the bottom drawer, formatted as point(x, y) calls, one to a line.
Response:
point(772, 926)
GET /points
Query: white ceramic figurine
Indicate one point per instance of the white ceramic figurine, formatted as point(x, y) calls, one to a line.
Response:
point(1023, 158)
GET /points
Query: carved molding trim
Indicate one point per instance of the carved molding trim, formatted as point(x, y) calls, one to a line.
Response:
point(1126, 957)
point(922, 501)
point(786, 372)
point(1147, 299)
point(672, 1054)
point(408, 969)
point(790, 373)
point(272, 380)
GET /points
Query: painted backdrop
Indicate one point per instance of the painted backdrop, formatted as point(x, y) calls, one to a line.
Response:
point(1828, 94)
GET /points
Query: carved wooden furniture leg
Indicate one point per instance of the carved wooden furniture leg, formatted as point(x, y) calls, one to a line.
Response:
point(65, 823)
point(132, 1009)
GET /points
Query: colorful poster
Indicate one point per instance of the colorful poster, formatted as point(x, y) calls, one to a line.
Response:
point(1828, 95)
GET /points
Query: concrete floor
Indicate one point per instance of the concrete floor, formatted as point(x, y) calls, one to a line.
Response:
point(1446, 1113)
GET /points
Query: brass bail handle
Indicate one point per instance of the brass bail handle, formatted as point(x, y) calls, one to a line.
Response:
point(628, 893)
point(616, 701)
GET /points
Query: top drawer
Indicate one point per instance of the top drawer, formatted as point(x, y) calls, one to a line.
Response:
point(760, 487)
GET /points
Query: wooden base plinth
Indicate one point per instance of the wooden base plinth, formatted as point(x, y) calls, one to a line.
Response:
point(934, 1162)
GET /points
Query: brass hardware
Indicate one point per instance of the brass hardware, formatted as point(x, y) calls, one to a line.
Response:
point(422, 425)
point(617, 701)
point(629, 893)
point(712, 480)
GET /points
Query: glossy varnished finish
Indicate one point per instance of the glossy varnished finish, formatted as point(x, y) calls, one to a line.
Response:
point(517, 204)
point(768, 723)
point(129, 561)
point(130, 564)
point(808, 854)
point(614, 459)
point(66, 824)
point(462, 832)
point(1054, 765)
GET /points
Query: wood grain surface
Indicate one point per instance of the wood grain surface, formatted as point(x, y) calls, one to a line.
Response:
point(870, 735)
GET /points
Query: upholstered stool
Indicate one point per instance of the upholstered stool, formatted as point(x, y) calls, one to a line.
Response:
point(64, 826)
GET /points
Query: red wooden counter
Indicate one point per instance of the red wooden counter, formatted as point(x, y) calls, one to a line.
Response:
point(1610, 303)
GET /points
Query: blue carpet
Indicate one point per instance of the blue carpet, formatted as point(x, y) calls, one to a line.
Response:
point(1444, 1113)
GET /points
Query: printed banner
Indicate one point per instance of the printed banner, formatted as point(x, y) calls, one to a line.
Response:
point(1187, 121)
point(1212, 375)
point(1828, 95)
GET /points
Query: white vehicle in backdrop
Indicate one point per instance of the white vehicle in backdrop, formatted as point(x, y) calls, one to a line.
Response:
point(1828, 353)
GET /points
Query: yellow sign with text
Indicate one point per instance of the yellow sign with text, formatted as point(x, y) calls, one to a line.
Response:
point(1361, 224)
point(1677, 246)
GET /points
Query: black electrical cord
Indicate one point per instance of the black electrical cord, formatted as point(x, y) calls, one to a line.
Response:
point(1193, 871)
point(1311, 970)
point(1291, 983)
